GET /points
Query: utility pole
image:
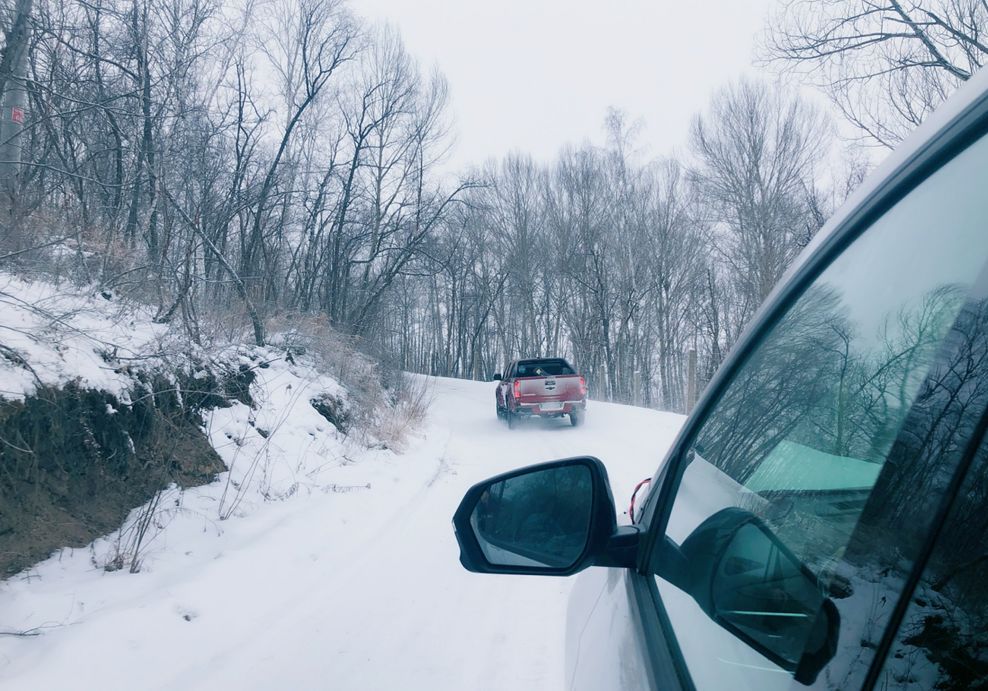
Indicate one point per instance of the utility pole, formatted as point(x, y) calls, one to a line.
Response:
point(13, 88)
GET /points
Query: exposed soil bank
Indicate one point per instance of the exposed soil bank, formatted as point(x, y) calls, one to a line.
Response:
point(74, 462)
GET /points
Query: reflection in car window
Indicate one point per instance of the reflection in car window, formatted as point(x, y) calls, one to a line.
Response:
point(941, 642)
point(809, 434)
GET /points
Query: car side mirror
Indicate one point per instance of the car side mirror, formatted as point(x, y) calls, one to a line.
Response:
point(750, 583)
point(497, 376)
point(551, 519)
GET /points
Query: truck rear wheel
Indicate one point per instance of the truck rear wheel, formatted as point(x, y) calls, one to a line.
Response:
point(576, 418)
point(512, 419)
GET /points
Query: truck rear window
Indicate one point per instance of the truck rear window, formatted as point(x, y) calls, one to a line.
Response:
point(543, 368)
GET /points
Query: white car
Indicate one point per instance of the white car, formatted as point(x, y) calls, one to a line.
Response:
point(822, 519)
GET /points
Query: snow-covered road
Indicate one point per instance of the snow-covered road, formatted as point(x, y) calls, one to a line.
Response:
point(351, 588)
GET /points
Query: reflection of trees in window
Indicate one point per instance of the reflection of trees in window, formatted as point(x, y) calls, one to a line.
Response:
point(896, 370)
point(944, 415)
point(785, 381)
point(815, 381)
point(837, 398)
point(941, 642)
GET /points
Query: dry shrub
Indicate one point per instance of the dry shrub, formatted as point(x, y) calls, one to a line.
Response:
point(384, 403)
point(407, 412)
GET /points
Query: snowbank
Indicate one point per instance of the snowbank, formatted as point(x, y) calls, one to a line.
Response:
point(53, 335)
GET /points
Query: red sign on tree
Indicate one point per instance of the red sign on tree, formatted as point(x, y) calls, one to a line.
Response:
point(17, 115)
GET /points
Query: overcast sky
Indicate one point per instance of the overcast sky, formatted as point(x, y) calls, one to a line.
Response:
point(532, 75)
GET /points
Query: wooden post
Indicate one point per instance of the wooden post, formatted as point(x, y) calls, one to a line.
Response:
point(691, 382)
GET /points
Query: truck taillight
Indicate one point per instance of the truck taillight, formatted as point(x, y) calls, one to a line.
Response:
point(583, 386)
point(517, 390)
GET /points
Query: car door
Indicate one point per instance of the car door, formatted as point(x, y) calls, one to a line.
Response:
point(843, 425)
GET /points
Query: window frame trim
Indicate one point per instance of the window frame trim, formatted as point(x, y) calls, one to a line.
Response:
point(966, 128)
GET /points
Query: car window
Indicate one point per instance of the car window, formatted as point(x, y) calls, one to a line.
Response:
point(544, 368)
point(941, 641)
point(807, 439)
point(557, 367)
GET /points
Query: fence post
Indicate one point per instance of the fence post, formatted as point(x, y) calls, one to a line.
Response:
point(691, 382)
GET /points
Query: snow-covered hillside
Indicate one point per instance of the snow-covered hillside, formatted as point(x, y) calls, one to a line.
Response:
point(53, 335)
point(106, 377)
point(348, 579)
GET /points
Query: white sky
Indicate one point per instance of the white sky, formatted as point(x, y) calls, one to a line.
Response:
point(533, 75)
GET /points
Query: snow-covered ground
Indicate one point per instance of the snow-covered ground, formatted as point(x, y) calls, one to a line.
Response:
point(51, 335)
point(345, 578)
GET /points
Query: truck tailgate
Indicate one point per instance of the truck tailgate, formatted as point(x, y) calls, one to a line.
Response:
point(563, 387)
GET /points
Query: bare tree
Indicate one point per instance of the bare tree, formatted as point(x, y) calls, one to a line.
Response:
point(887, 63)
point(756, 151)
point(306, 42)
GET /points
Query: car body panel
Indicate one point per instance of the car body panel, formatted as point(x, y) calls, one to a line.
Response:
point(607, 649)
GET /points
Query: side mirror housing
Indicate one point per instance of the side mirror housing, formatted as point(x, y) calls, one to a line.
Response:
point(497, 376)
point(551, 519)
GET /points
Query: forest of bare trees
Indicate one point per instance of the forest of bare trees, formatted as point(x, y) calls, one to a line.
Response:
point(623, 265)
point(277, 158)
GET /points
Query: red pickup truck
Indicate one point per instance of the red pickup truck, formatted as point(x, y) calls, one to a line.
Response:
point(546, 387)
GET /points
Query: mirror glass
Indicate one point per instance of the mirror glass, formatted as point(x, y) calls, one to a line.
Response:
point(540, 518)
point(765, 594)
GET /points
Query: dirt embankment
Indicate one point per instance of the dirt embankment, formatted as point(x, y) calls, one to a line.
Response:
point(74, 462)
